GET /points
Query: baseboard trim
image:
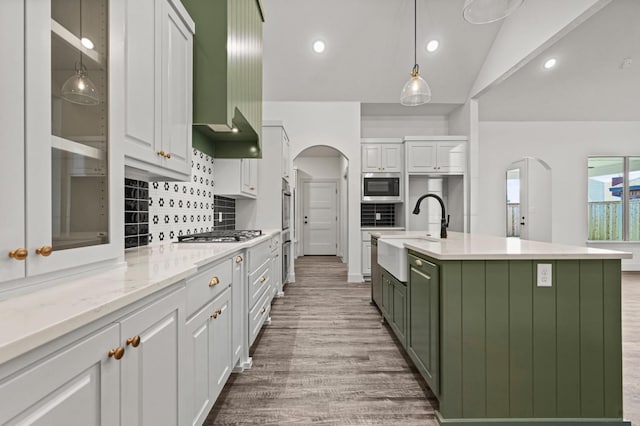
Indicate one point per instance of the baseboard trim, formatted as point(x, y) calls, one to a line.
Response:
point(355, 278)
point(241, 367)
point(531, 421)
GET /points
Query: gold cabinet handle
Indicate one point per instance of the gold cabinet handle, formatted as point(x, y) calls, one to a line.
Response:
point(116, 353)
point(19, 254)
point(160, 153)
point(215, 314)
point(167, 156)
point(277, 254)
point(214, 281)
point(133, 341)
point(44, 251)
point(262, 279)
point(263, 310)
point(238, 259)
point(253, 188)
point(418, 262)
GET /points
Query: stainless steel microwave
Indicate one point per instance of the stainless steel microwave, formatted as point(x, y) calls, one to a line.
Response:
point(382, 187)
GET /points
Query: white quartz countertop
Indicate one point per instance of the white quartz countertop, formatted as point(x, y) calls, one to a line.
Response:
point(36, 318)
point(460, 246)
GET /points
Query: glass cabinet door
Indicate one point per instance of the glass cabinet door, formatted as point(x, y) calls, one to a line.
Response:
point(68, 122)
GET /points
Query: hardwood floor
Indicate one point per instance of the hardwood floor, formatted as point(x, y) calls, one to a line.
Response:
point(325, 359)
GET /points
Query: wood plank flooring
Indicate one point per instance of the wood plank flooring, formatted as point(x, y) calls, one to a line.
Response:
point(325, 359)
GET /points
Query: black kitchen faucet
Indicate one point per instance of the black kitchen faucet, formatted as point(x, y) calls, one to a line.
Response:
point(444, 223)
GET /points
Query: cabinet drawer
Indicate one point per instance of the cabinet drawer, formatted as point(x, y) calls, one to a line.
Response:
point(258, 315)
point(275, 243)
point(422, 265)
point(258, 255)
point(259, 281)
point(208, 284)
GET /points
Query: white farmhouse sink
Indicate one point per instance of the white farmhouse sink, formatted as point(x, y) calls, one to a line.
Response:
point(392, 255)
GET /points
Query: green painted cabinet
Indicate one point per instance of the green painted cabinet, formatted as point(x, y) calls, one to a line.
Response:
point(495, 347)
point(394, 304)
point(227, 84)
point(424, 319)
point(376, 274)
point(387, 295)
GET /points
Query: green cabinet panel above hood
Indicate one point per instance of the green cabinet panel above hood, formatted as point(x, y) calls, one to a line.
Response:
point(227, 80)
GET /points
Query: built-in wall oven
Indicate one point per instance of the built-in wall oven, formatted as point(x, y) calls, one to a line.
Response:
point(381, 187)
point(286, 205)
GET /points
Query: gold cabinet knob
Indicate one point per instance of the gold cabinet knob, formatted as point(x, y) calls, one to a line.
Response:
point(418, 262)
point(253, 188)
point(214, 281)
point(277, 254)
point(19, 254)
point(133, 341)
point(116, 353)
point(160, 153)
point(44, 251)
point(263, 310)
point(238, 259)
point(262, 279)
point(167, 155)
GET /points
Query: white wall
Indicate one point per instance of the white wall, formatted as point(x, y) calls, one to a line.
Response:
point(334, 124)
point(532, 28)
point(344, 199)
point(565, 147)
point(319, 167)
point(397, 127)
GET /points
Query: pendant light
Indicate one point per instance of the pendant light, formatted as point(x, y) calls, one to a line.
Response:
point(416, 91)
point(487, 11)
point(79, 89)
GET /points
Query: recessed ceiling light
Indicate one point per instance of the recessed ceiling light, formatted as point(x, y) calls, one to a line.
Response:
point(550, 63)
point(319, 46)
point(432, 46)
point(86, 43)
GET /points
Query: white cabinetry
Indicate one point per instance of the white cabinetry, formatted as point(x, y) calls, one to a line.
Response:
point(150, 367)
point(260, 290)
point(236, 178)
point(382, 155)
point(158, 89)
point(444, 155)
point(286, 155)
point(366, 253)
point(55, 143)
point(209, 352)
point(79, 382)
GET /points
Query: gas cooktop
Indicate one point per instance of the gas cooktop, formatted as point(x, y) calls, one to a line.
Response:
point(220, 236)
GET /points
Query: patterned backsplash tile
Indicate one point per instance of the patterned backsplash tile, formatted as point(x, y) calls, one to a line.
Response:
point(377, 214)
point(176, 208)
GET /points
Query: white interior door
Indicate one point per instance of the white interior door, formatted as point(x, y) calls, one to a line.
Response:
point(320, 218)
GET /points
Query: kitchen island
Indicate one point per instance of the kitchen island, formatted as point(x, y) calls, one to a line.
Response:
point(512, 331)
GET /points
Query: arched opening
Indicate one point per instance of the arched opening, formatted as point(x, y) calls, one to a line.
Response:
point(321, 202)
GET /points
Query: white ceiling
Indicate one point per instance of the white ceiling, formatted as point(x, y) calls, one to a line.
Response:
point(369, 50)
point(587, 83)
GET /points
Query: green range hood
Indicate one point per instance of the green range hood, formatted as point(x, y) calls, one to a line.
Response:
point(227, 77)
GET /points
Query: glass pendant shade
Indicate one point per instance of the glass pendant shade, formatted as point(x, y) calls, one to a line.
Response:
point(79, 89)
point(487, 11)
point(416, 91)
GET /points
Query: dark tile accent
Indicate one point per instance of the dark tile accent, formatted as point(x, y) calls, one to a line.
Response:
point(368, 215)
point(136, 216)
point(226, 206)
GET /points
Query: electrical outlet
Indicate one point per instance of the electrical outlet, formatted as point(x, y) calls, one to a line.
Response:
point(378, 216)
point(219, 216)
point(544, 275)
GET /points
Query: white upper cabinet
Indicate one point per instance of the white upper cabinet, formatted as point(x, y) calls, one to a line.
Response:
point(64, 170)
point(382, 155)
point(158, 89)
point(441, 155)
point(286, 154)
point(236, 178)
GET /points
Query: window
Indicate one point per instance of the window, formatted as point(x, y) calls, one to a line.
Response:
point(614, 198)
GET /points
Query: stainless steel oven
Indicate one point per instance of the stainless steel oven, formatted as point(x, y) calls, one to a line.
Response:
point(381, 187)
point(286, 205)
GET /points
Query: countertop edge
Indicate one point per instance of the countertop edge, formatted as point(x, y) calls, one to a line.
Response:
point(46, 331)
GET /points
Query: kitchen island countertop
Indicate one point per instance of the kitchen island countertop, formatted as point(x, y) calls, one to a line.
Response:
point(461, 246)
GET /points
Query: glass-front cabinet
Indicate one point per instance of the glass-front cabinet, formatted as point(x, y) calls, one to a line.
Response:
point(71, 162)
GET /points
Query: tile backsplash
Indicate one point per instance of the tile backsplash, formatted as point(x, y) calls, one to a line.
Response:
point(175, 208)
point(372, 215)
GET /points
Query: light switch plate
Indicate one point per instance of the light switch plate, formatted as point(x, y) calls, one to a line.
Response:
point(378, 216)
point(544, 275)
point(219, 216)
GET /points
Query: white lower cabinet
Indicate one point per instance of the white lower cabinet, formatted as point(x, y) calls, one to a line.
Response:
point(366, 258)
point(239, 335)
point(79, 382)
point(209, 355)
point(151, 365)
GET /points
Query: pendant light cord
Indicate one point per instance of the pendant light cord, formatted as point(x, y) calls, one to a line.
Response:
point(415, 31)
point(81, 33)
